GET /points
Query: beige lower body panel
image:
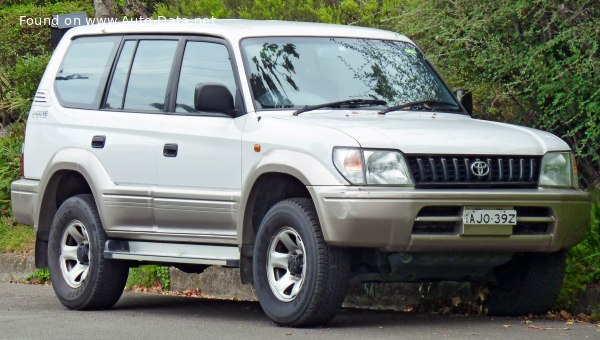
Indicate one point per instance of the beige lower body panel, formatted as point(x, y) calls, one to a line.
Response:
point(24, 196)
point(383, 218)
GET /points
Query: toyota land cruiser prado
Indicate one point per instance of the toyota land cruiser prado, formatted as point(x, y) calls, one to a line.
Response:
point(306, 155)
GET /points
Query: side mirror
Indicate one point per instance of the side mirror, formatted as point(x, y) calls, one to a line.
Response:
point(466, 99)
point(213, 98)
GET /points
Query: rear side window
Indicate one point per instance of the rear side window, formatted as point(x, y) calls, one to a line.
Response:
point(149, 76)
point(82, 75)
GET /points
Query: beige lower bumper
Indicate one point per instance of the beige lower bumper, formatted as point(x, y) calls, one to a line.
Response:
point(23, 195)
point(383, 218)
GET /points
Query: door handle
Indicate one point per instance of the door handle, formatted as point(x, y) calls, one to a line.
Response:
point(98, 142)
point(170, 150)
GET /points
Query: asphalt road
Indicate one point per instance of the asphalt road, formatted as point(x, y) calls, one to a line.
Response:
point(33, 312)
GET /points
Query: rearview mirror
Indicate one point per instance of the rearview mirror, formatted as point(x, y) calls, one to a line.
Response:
point(466, 99)
point(213, 98)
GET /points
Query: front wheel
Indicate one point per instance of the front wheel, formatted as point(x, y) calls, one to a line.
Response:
point(528, 284)
point(299, 279)
point(81, 277)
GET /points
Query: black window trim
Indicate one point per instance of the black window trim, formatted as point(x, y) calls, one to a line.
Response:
point(137, 38)
point(176, 70)
point(127, 76)
point(99, 100)
point(173, 82)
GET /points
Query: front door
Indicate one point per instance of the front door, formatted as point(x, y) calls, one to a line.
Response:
point(199, 168)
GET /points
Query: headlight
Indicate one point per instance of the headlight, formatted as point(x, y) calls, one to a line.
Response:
point(386, 168)
point(558, 170)
point(372, 167)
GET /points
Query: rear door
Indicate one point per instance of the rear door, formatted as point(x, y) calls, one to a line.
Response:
point(125, 130)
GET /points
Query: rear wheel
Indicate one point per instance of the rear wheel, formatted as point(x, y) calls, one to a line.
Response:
point(528, 284)
point(299, 279)
point(81, 277)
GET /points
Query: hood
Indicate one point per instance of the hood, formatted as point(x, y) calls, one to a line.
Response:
point(435, 133)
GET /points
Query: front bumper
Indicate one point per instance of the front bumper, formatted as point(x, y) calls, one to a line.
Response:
point(384, 218)
point(23, 195)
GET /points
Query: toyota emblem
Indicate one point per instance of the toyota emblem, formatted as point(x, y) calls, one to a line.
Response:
point(480, 169)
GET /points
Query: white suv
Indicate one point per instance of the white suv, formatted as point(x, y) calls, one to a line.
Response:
point(307, 155)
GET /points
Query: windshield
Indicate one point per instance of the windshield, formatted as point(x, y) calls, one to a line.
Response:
point(292, 72)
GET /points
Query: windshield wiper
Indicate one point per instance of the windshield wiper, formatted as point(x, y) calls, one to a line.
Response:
point(429, 104)
point(351, 103)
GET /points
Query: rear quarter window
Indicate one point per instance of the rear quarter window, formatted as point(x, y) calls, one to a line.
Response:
point(82, 76)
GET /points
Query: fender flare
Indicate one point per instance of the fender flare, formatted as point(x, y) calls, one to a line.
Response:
point(305, 168)
point(78, 160)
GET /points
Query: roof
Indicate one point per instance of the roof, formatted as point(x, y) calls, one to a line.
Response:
point(235, 29)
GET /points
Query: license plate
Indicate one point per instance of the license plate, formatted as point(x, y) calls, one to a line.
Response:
point(489, 217)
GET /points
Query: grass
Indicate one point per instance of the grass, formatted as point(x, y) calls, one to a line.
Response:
point(16, 238)
point(149, 276)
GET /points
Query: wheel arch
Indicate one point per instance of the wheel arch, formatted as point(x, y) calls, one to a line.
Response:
point(290, 173)
point(268, 189)
point(67, 175)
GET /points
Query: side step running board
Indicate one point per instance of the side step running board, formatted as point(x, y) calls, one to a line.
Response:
point(228, 256)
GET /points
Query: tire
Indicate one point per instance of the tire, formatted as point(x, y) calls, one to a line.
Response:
point(82, 279)
point(290, 246)
point(528, 284)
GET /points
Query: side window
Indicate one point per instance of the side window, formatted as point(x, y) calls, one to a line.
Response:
point(203, 62)
point(119, 78)
point(145, 86)
point(82, 75)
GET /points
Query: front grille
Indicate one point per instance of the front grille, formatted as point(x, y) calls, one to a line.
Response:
point(440, 171)
point(447, 220)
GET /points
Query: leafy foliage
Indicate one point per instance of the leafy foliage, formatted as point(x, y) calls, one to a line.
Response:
point(10, 163)
point(192, 9)
point(18, 86)
point(40, 276)
point(18, 40)
point(529, 62)
point(149, 276)
point(359, 12)
point(25, 51)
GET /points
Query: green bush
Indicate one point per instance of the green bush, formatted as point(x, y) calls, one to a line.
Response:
point(10, 163)
point(193, 9)
point(529, 62)
point(361, 12)
point(25, 51)
point(18, 40)
point(149, 276)
point(40, 276)
point(19, 85)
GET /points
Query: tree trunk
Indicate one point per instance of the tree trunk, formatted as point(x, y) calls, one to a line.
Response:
point(136, 9)
point(107, 9)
